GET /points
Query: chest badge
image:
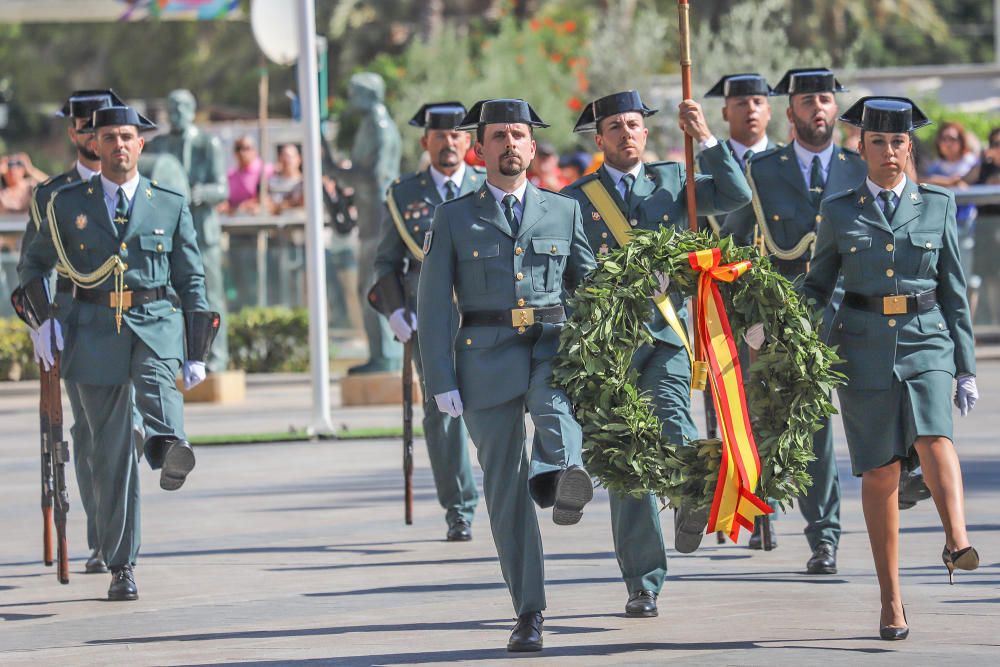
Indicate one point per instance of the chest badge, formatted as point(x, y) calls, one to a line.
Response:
point(149, 193)
point(596, 216)
point(428, 237)
point(81, 222)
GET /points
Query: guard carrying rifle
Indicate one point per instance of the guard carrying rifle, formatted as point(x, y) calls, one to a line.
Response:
point(410, 205)
point(128, 246)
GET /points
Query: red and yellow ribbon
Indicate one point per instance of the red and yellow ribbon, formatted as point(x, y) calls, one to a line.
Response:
point(734, 504)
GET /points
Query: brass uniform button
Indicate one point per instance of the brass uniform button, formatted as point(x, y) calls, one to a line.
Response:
point(892, 323)
point(468, 341)
point(124, 246)
point(475, 253)
point(416, 228)
point(159, 247)
point(520, 330)
point(666, 218)
point(519, 276)
point(520, 303)
point(776, 217)
point(854, 248)
point(633, 222)
point(819, 219)
point(83, 247)
point(604, 235)
point(553, 250)
point(941, 325)
point(518, 250)
point(929, 244)
point(889, 247)
point(890, 273)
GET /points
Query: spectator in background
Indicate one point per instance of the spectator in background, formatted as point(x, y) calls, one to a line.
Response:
point(544, 170)
point(573, 166)
point(954, 166)
point(245, 178)
point(284, 186)
point(19, 178)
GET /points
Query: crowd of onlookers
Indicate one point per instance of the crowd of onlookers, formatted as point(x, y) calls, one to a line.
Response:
point(18, 177)
point(257, 187)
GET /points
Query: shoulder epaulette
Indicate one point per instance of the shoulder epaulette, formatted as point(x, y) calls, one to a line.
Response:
point(936, 189)
point(578, 183)
point(553, 192)
point(166, 189)
point(765, 154)
point(841, 193)
point(850, 151)
point(478, 169)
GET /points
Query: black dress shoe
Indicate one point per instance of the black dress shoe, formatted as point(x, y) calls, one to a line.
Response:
point(459, 531)
point(122, 584)
point(641, 604)
point(527, 633)
point(95, 564)
point(689, 528)
point(573, 491)
point(912, 489)
point(178, 461)
point(824, 559)
point(757, 537)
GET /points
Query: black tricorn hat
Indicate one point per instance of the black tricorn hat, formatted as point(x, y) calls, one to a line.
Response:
point(439, 115)
point(485, 112)
point(610, 105)
point(808, 80)
point(740, 85)
point(118, 115)
point(83, 103)
point(885, 114)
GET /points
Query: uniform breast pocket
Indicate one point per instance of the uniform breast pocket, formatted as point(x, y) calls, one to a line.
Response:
point(473, 259)
point(156, 250)
point(925, 249)
point(780, 219)
point(548, 261)
point(854, 254)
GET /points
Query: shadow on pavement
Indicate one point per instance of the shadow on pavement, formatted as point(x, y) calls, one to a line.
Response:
point(458, 586)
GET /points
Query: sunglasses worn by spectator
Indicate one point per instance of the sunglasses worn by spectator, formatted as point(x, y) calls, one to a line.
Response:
point(244, 148)
point(15, 163)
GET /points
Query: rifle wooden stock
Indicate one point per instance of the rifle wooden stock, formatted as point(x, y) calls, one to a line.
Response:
point(47, 535)
point(55, 456)
point(46, 461)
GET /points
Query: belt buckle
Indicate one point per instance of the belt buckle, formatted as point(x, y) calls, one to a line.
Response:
point(126, 299)
point(894, 305)
point(522, 317)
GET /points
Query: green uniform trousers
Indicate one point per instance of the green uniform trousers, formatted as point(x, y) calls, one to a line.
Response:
point(107, 415)
point(453, 478)
point(498, 433)
point(665, 374)
point(820, 506)
point(82, 448)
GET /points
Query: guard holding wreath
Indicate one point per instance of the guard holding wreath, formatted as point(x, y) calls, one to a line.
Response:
point(788, 185)
point(624, 194)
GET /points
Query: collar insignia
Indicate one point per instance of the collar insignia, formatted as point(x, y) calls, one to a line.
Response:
point(841, 157)
point(913, 196)
point(784, 158)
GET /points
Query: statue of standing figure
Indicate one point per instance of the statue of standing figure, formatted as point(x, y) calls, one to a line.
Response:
point(202, 158)
point(374, 165)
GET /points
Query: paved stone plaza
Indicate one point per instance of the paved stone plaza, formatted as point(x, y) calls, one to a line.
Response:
point(297, 554)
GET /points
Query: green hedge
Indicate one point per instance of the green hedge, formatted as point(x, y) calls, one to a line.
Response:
point(269, 340)
point(261, 340)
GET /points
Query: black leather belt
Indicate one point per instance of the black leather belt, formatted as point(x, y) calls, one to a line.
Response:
point(790, 267)
point(517, 317)
point(892, 304)
point(130, 298)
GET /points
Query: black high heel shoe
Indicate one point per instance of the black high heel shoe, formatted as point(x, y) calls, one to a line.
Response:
point(892, 633)
point(963, 559)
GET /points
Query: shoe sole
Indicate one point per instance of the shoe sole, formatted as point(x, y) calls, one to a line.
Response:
point(642, 614)
point(463, 538)
point(687, 542)
point(123, 598)
point(573, 491)
point(94, 569)
point(177, 465)
point(524, 648)
point(821, 570)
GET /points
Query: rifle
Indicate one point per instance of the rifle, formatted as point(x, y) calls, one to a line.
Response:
point(407, 406)
point(54, 451)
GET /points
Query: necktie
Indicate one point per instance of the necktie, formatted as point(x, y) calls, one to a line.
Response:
point(508, 212)
point(628, 180)
point(816, 182)
point(121, 208)
point(746, 157)
point(449, 190)
point(888, 198)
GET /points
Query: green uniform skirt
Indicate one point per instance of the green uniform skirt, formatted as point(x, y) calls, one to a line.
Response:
point(882, 425)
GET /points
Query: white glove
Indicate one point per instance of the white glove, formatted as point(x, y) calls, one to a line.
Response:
point(43, 342)
point(664, 281)
point(449, 403)
point(966, 394)
point(754, 336)
point(194, 374)
point(399, 325)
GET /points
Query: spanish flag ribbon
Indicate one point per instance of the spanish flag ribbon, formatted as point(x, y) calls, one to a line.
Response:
point(734, 503)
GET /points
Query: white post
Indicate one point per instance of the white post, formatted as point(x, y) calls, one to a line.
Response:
point(319, 355)
point(996, 31)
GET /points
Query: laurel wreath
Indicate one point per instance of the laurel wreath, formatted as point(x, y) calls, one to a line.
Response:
point(788, 390)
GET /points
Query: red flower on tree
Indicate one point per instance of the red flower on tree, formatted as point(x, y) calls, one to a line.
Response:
point(575, 103)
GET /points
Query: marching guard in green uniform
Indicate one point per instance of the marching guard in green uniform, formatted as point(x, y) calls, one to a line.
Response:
point(905, 333)
point(78, 109)
point(627, 192)
point(507, 252)
point(788, 185)
point(128, 246)
point(747, 111)
point(410, 204)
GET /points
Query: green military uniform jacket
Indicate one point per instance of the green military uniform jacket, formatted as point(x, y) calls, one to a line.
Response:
point(472, 251)
point(416, 197)
point(41, 196)
point(715, 222)
point(659, 198)
point(159, 248)
point(915, 252)
point(784, 197)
